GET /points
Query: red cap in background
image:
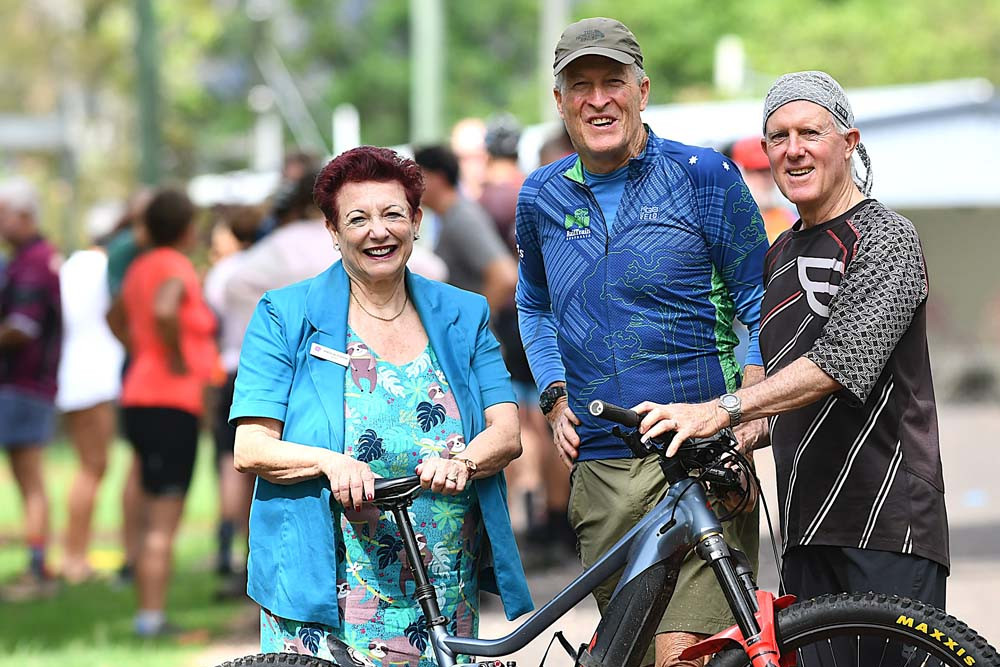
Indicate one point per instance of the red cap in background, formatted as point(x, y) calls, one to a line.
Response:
point(748, 154)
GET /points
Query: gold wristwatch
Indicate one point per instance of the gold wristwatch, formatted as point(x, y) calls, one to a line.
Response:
point(470, 465)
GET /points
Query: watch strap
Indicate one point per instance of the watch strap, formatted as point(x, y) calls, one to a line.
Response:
point(548, 398)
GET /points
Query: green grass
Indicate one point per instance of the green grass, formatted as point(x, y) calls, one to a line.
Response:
point(91, 625)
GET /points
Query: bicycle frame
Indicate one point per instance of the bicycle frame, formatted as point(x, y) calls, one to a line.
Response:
point(650, 553)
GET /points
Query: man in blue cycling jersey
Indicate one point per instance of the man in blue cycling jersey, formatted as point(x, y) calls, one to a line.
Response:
point(636, 253)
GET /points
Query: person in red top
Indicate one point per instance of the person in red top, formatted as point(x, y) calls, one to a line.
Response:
point(30, 339)
point(170, 339)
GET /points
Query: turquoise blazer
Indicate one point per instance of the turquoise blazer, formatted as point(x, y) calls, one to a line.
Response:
point(293, 561)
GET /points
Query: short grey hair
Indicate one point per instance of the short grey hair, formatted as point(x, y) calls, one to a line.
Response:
point(560, 81)
point(20, 195)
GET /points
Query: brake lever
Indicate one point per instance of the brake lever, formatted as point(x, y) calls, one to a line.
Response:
point(723, 480)
point(634, 442)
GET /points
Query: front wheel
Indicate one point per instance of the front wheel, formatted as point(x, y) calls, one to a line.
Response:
point(279, 660)
point(872, 629)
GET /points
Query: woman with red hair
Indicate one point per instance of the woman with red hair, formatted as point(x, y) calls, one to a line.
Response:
point(366, 371)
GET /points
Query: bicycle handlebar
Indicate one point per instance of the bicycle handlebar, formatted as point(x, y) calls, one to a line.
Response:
point(699, 453)
point(611, 412)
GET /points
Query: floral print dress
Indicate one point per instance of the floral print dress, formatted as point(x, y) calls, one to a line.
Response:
point(395, 417)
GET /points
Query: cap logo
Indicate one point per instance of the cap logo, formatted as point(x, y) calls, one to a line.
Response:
point(841, 111)
point(590, 36)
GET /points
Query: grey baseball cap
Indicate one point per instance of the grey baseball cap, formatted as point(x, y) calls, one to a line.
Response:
point(597, 36)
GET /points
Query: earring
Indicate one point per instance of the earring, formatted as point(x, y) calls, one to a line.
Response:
point(416, 237)
point(337, 246)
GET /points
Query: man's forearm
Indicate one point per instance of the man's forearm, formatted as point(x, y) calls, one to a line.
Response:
point(499, 282)
point(800, 383)
point(752, 375)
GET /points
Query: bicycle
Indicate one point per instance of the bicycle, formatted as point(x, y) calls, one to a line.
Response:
point(859, 628)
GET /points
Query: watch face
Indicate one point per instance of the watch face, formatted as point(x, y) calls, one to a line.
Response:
point(730, 401)
point(549, 397)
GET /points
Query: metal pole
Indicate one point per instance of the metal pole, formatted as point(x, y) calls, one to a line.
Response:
point(554, 19)
point(427, 70)
point(148, 88)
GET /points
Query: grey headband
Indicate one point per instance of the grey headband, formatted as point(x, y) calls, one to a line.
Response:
point(819, 88)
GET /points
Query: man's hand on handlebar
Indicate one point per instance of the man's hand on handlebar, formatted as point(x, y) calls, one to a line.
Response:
point(564, 423)
point(686, 420)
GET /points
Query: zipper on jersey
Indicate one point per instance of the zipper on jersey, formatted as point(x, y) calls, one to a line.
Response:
point(607, 245)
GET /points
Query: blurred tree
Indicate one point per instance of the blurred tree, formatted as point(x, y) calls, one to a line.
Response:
point(860, 42)
point(76, 58)
point(677, 39)
point(358, 52)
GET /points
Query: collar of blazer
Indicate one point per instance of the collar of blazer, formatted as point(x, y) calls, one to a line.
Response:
point(327, 302)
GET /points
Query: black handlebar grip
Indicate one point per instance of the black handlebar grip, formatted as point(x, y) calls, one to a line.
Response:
point(612, 412)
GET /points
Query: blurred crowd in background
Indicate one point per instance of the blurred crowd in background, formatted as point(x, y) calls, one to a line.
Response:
point(83, 336)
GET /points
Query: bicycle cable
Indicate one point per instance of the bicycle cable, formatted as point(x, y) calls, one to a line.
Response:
point(752, 477)
point(770, 534)
point(720, 464)
point(744, 466)
point(693, 481)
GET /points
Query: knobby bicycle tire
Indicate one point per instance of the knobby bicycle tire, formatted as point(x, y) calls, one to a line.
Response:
point(908, 632)
point(279, 660)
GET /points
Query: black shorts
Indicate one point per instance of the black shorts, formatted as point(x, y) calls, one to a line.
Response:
point(815, 570)
point(166, 441)
point(223, 432)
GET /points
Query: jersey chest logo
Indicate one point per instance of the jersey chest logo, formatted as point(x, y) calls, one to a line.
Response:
point(577, 224)
point(816, 275)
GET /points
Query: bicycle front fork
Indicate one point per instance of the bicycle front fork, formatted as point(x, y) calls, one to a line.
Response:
point(754, 610)
point(732, 569)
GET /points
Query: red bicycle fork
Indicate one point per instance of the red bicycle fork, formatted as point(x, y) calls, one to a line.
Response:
point(762, 648)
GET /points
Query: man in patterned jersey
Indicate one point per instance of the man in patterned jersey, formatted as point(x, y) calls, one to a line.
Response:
point(639, 252)
point(848, 388)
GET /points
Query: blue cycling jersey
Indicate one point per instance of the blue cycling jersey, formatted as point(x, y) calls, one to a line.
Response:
point(641, 307)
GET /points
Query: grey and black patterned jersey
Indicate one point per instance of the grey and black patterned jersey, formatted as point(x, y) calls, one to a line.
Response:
point(860, 468)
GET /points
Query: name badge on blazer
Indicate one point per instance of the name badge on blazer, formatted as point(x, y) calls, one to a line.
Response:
point(329, 354)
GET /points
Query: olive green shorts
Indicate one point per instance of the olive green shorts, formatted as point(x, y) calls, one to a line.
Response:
point(609, 496)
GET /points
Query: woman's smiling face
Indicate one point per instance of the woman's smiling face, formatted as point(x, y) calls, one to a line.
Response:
point(375, 229)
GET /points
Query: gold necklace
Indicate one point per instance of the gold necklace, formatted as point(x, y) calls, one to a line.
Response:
point(406, 298)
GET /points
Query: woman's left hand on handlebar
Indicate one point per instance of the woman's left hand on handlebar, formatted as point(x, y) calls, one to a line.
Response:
point(686, 420)
point(448, 476)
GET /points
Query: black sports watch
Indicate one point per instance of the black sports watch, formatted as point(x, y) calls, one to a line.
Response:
point(548, 398)
point(732, 404)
